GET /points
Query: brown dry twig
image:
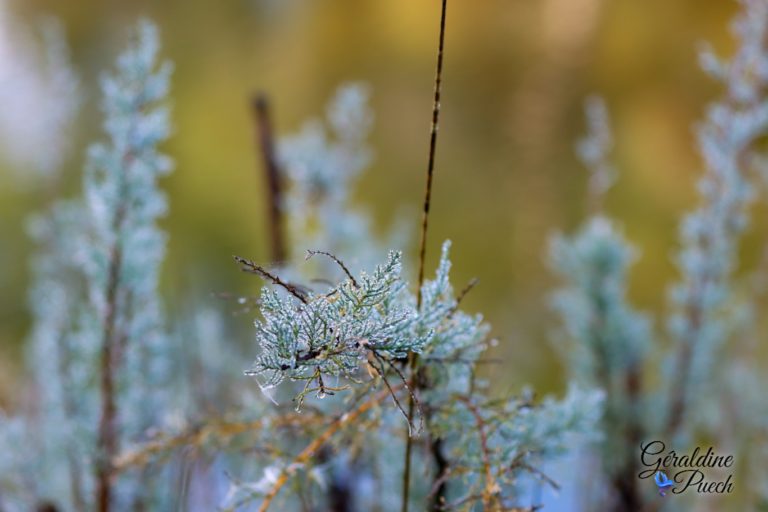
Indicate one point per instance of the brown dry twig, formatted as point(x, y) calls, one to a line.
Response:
point(412, 357)
point(313, 447)
point(252, 268)
point(199, 435)
point(340, 263)
point(463, 293)
point(272, 174)
point(491, 488)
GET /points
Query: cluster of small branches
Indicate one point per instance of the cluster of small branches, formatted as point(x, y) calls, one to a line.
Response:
point(360, 330)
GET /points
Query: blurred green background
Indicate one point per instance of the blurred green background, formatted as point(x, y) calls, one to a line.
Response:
point(516, 74)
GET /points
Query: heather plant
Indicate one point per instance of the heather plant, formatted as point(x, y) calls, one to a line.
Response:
point(611, 340)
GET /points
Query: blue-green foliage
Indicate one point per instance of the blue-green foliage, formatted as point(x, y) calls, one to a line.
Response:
point(608, 338)
point(373, 321)
point(61, 431)
point(605, 337)
point(96, 280)
point(123, 204)
point(609, 334)
point(710, 235)
point(330, 333)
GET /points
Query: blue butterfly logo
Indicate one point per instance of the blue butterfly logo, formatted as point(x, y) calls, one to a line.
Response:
point(662, 482)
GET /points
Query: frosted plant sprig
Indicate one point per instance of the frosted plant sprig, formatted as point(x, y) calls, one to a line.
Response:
point(126, 248)
point(97, 342)
point(59, 359)
point(609, 335)
point(323, 169)
point(306, 336)
point(509, 439)
point(710, 234)
point(611, 338)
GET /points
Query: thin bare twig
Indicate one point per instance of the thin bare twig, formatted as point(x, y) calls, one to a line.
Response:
point(198, 435)
point(263, 122)
point(490, 488)
point(432, 148)
point(380, 372)
point(340, 263)
point(253, 268)
point(542, 475)
point(442, 477)
point(411, 395)
point(463, 293)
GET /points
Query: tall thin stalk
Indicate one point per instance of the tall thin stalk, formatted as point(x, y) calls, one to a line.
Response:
point(412, 359)
point(263, 122)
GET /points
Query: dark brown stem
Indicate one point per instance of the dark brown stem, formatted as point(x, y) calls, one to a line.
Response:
point(629, 497)
point(411, 394)
point(107, 442)
point(543, 476)
point(340, 487)
point(440, 485)
point(46, 506)
point(107, 437)
point(432, 148)
point(263, 121)
point(412, 358)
